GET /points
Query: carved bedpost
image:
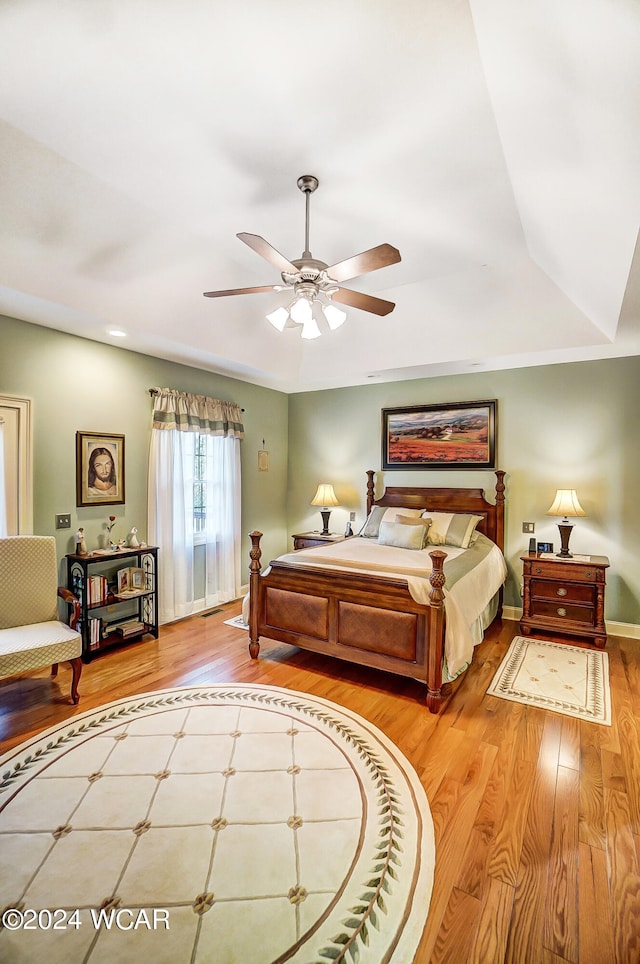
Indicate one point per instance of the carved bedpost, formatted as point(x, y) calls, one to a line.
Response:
point(254, 593)
point(436, 631)
point(500, 508)
point(370, 489)
point(500, 527)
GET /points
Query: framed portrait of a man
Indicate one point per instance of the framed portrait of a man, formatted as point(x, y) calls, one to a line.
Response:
point(99, 469)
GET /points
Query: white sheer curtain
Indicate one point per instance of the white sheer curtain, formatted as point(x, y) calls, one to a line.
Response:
point(3, 494)
point(180, 420)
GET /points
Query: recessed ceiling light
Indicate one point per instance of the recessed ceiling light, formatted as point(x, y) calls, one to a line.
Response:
point(117, 332)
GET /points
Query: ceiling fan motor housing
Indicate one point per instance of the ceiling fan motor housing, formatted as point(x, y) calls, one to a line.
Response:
point(305, 289)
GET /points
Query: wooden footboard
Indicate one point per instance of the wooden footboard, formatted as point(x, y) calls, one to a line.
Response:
point(369, 620)
point(362, 618)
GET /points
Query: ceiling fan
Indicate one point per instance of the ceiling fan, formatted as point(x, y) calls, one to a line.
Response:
point(314, 284)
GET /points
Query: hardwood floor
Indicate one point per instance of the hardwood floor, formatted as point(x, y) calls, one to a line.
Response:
point(537, 816)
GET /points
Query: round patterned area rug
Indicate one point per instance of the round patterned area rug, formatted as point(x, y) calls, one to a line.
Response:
point(222, 824)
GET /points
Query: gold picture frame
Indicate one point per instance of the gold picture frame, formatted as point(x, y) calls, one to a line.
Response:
point(99, 469)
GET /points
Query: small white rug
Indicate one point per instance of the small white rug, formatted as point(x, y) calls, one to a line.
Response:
point(234, 824)
point(237, 621)
point(555, 676)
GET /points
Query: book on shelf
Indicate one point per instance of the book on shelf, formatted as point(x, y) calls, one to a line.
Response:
point(95, 634)
point(97, 589)
point(131, 627)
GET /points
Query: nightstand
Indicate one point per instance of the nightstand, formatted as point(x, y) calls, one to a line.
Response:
point(564, 595)
point(305, 540)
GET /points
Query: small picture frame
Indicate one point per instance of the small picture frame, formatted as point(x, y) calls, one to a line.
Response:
point(124, 582)
point(136, 580)
point(99, 469)
point(545, 547)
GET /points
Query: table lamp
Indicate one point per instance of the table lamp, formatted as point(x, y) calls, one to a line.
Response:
point(565, 504)
point(325, 496)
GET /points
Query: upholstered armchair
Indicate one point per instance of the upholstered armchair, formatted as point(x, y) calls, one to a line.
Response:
point(31, 632)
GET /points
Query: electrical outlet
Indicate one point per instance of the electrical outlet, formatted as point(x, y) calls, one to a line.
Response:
point(352, 517)
point(63, 521)
point(528, 527)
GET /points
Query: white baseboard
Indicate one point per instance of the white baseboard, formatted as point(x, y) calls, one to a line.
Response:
point(614, 628)
point(623, 629)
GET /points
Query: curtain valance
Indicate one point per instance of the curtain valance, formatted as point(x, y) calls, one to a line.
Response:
point(185, 412)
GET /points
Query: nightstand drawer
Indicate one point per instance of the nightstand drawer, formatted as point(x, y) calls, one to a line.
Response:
point(307, 540)
point(563, 592)
point(302, 542)
point(565, 571)
point(563, 610)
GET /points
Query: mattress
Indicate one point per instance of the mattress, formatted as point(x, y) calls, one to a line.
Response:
point(473, 579)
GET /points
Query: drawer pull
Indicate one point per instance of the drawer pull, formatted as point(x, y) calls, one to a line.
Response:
point(538, 569)
point(561, 611)
point(588, 574)
point(561, 591)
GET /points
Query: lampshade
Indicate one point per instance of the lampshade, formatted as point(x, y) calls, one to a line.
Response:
point(301, 311)
point(310, 329)
point(307, 309)
point(566, 504)
point(278, 318)
point(335, 317)
point(325, 496)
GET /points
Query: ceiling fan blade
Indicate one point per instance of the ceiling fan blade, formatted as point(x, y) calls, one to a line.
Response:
point(241, 291)
point(268, 252)
point(370, 260)
point(356, 299)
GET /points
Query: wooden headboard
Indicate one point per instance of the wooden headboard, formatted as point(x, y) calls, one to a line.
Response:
point(447, 500)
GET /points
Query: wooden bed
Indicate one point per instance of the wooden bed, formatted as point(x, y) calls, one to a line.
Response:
point(364, 618)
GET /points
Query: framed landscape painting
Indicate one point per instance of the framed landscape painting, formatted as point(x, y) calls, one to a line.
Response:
point(458, 435)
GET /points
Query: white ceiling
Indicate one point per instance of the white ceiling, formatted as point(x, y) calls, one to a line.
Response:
point(496, 143)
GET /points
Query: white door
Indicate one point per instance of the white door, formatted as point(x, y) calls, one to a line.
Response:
point(15, 413)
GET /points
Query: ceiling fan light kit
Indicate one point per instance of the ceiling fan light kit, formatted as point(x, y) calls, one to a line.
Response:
point(314, 284)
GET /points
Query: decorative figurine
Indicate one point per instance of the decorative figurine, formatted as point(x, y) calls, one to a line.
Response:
point(133, 538)
point(81, 546)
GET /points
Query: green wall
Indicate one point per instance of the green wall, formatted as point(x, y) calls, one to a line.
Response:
point(82, 385)
point(559, 426)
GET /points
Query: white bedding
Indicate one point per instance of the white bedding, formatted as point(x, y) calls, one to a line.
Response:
point(466, 599)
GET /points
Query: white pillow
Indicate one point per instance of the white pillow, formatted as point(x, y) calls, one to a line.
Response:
point(402, 536)
point(451, 528)
point(372, 524)
point(379, 512)
point(408, 520)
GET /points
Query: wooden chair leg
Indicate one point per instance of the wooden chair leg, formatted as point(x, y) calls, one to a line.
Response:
point(54, 671)
point(76, 666)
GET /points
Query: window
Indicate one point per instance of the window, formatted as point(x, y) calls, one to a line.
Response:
point(199, 484)
point(194, 500)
